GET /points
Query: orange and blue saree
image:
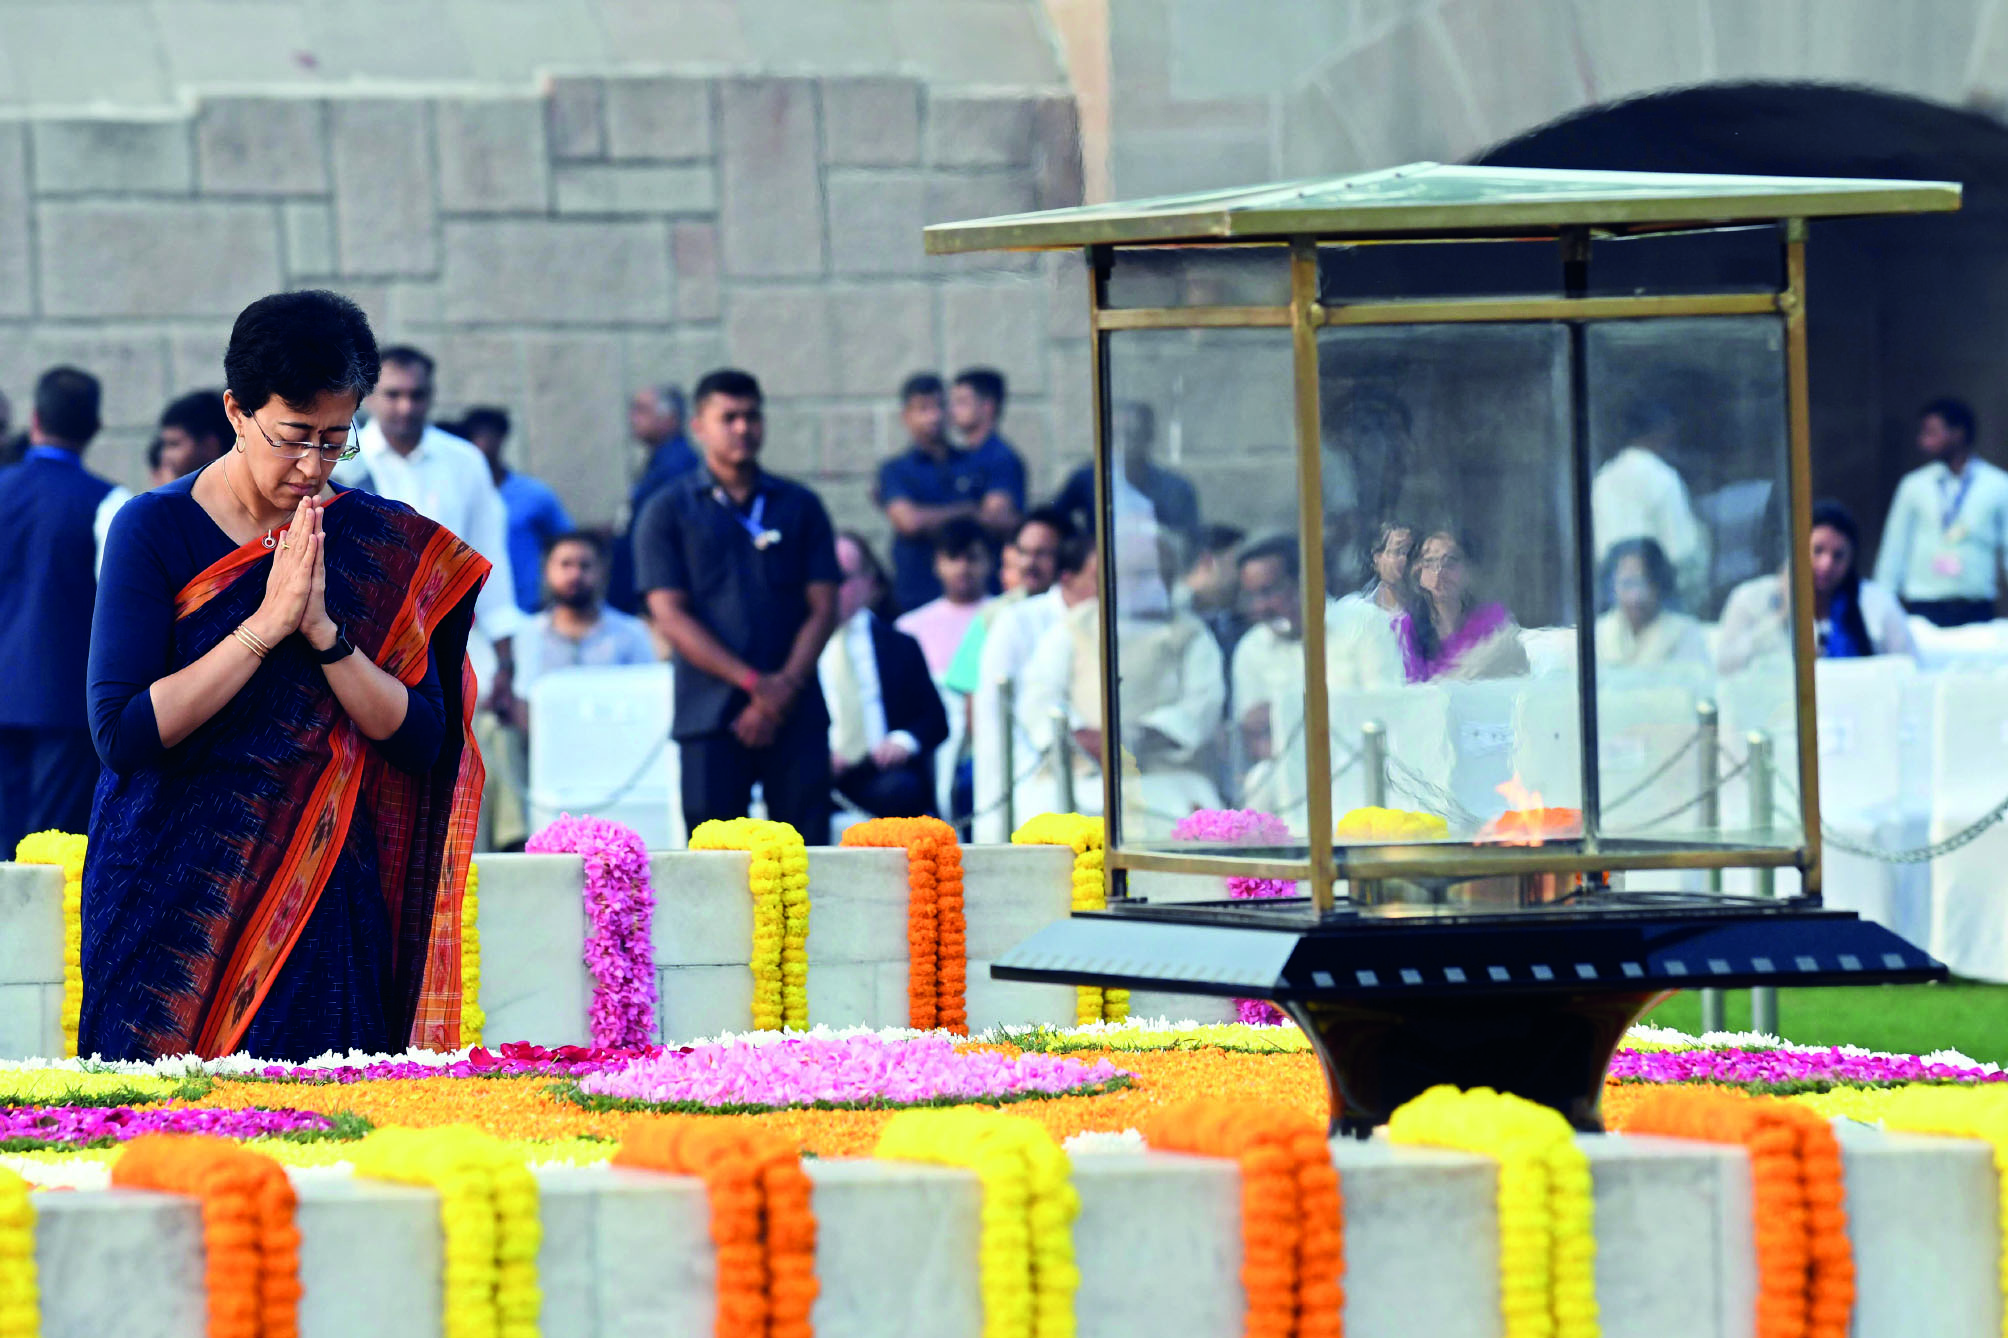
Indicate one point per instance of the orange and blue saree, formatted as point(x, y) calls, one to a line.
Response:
point(275, 882)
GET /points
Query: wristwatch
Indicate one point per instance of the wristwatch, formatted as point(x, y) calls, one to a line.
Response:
point(341, 650)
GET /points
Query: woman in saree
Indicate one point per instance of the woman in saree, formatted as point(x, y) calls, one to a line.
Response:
point(1448, 633)
point(280, 695)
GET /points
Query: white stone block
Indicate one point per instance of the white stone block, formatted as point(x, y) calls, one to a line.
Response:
point(568, 1254)
point(143, 258)
point(896, 1250)
point(1208, 1008)
point(703, 909)
point(1675, 1249)
point(370, 1259)
point(697, 1001)
point(608, 188)
point(664, 119)
point(1924, 1217)
point(17, 257)
point(1010, 893)
point(858, 905)
point(31, 924)
point(1179, 1218)
point(557, 272)
point(534, 982)
point(657, 1270)
point(120, 1262)
point(771, 214)
point(995, 1003)
point(131, 156)
point(871, 122)
point(309, 229)
point(846, 994)
point(386, 215)
point(1421, 1240)
point(262, 146)
point(492, 157)
point(28, 1028)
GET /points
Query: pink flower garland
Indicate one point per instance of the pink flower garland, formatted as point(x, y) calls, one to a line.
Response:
point(621, 906)
point(1245, 826)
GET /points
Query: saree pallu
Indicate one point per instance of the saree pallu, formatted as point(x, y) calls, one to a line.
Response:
point(206, 866)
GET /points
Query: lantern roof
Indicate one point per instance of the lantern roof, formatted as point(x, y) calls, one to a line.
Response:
point(1432, 199)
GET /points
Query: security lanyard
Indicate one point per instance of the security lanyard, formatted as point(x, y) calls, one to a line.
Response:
point(753, 521)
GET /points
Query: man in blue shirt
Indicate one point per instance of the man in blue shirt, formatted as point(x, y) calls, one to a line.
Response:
point(923, 488)
point(976, 406)
point(536, 516)
point(655, 417)
point(1140, 481)
point(49, 508)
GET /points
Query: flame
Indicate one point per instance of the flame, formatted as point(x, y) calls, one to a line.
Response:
point(1519, 796)
point(1529, 822)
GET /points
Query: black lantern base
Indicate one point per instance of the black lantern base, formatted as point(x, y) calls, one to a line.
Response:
point(1532, 1002)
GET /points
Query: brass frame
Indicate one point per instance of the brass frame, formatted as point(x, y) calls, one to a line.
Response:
point(1447, 312)
point(1799, 423)
point(1460, 861)
point(1311, 562)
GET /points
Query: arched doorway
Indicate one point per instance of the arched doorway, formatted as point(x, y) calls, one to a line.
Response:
point(1904, 309)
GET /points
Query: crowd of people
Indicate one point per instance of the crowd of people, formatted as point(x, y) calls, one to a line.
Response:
point(960, 675)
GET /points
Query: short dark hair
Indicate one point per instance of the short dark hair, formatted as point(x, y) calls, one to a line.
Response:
point(1076, 551)
point(987, 382)
point(1646, 417)
point(1280, 548)
point(1956, 414)
point(199, 413)
point(67, 401)
point(958, 536)
point(586, 537)
point(1054, 519)
point(1659, 573)
point(725, 381)
point(485, 417)
point(297, 346)
point(1219, 539)
point(404, 355)
point(920, 383)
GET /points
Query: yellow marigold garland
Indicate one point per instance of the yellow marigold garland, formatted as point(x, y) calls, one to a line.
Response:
point(1547, 1236)
point(67, 852)
point(1090, 893)
point(472, 1018)
point(20, 1300)
point(779, 879)
point(1028, 1278)
point(488, 1213)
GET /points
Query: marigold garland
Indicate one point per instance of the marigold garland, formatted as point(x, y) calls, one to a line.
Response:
point(1390, 824)
point(66, 851)
point(1805, 1264)
point(472, 1018)
point(937, 942)
point(20, 1299)
point(762, 1218)
point(250, 1241)
point(1028, 1278)
point(1292, 1214)
point(488, 1214)
point(1090, 893)
point(779, 879)
point(1547, 1237)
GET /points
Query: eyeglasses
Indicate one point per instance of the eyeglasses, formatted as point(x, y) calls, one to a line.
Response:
point(331, 452)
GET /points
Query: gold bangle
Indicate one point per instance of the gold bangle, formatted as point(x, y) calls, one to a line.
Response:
point(250, 641)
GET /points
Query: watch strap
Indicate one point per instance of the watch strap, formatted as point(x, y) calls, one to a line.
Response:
point(341, 650)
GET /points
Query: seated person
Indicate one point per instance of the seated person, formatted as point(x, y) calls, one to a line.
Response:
point(576, 627)
point(1268, 679)
point(1851, 616)
point(1210, 589)
point(885, 718)
point(962, 566)
point(1642, 626)
point(1362, 653)
point(1448, 632)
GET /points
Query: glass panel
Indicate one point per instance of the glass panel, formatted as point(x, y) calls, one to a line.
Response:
point(1199, 276)
point(1451, 565)
point(1421, 271)
point(1204, 564)
point(1721, 260)
point(1689, 433)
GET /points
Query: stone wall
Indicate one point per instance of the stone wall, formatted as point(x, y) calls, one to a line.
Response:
point(556, 249)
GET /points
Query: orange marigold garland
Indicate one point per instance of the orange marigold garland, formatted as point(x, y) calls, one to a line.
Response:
point(1805, 1264)
point(762, 1218)
point(250, 1242)
point(938, 948)
point(1292, 1212)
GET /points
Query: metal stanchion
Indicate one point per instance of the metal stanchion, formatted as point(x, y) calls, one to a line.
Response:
point(1063, 758)
point(1763, 999)
point(1714, 1014)
point(1373, 762)
point(1007, 727)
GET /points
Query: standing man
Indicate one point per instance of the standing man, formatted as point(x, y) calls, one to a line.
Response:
point(739, 568)
point(194, 430)
point(655, 418)
point(536, 516)
point(1142, 484)
point(1637, 494)
point(977, 405)
point(1947, 532)
point(922, 489)
point(443, 478)
point(49, 522)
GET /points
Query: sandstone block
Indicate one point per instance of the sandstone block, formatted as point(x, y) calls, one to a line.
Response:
point(783, 335)
point(871, 122)
point(492, 157)
point(875, 223)
point(884, 334)
point(195, 356)
point(978, 45)
point(1058, 173)
point(261, 146)
point(479, 367)
point(575, 119)
point(604, 188)
point(651, 357)
point(693, 249)
point(136, 156)
point(386, 221)
point(794, 440)
point(663, 119)
point(771, 215)
point(570, 434)
point(552, 272)
point(979, 131)
point(953, 197)
point(1066, 295)
point(1002, 324)
point(132, 366)
point(17, 260)
point(855, 438)
point(309, 229)
point(155, 258)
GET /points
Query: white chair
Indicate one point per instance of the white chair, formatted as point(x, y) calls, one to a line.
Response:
point(593, 731)
point(1969, 910)
point(1865, 709)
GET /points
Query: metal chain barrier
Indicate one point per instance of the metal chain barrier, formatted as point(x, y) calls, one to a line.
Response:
point(1959, 840)
point(1654, 775)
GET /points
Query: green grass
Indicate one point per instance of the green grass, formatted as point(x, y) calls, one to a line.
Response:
point(1961, 1015)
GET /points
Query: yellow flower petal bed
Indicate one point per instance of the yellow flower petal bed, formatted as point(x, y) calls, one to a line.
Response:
point(60, 1087)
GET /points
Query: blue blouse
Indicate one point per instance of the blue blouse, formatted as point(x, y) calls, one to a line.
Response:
point(158, 542)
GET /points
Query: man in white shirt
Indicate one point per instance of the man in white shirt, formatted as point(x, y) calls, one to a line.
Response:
point(447, 480)
point(1947, 533)
point(1058, 571)
point(1268, 680)
point(1636, 494)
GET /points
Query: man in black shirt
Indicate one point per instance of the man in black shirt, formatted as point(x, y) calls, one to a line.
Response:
point(739, 568)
